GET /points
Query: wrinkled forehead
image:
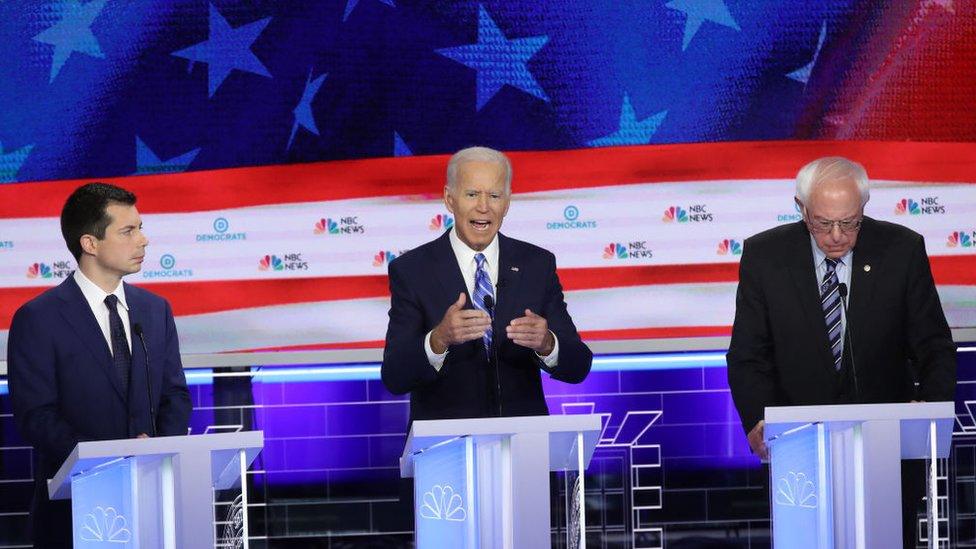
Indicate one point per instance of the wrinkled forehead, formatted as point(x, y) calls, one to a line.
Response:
point(477, 173)
point(835, 199)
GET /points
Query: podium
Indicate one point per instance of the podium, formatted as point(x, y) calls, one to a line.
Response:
point(484, 482)
point(835, 471)
point(152, 492)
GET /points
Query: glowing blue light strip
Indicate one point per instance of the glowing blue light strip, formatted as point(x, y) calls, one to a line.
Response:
point(371, 371)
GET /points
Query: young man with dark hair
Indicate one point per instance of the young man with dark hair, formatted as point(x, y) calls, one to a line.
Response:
point(77, 353)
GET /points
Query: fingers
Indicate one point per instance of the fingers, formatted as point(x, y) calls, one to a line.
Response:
point(459, 304)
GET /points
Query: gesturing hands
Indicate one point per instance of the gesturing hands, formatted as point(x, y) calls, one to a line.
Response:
point(531, 331)
point(458, 326)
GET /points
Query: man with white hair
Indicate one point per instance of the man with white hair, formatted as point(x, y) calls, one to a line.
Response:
point(837, 308)
point(475, 316)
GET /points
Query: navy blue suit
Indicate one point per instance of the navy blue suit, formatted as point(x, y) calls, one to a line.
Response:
point(424, 282)
point(64, 388)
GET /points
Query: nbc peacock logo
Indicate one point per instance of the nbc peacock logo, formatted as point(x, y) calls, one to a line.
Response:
point(441, 222)
point(729, 247)
point(39, 270)
point(326, 225)
point(615, 250)
point(675, 213)
point(270, 263)
point(383, 257)
point(907, 206)
point(960, 239)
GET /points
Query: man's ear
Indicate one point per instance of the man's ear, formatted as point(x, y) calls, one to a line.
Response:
point(89, 244)
point(448, 199)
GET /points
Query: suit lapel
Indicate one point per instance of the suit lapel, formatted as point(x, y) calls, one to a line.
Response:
point(79, 316)
point(448, 272)
point(137, 315)
point(509, 275)
point(804, 275)
point(867, 256)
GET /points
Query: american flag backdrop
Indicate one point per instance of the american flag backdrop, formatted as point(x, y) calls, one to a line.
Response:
point(285, 152)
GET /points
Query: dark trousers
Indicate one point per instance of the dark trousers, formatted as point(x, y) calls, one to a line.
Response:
point(50, 522)
point(912, 492)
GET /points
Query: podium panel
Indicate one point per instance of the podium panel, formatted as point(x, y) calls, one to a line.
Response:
point(801, 497)
point(155, 492)
point(836, 470)
point(445, 494)
point(484, 482)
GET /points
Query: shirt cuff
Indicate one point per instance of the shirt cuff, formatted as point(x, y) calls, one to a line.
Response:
point(552, 359)
point(435, 360)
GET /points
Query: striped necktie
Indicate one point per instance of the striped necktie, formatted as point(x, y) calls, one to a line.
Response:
point(482, 288)
point(830, 302)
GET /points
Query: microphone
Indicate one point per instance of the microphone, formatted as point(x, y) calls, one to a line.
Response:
point(489, 303)
point(137, 329)
point(848, 334)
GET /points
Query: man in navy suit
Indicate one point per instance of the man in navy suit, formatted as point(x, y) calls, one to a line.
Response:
point(78, 353)
point(475, 316)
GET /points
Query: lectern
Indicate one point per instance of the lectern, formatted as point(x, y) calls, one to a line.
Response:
point(485, 482)
point(152, 492)
point(836, 470)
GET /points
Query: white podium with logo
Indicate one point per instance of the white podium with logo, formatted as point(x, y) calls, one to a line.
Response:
point(153, 492)
point(836, 471)
point(485, 482)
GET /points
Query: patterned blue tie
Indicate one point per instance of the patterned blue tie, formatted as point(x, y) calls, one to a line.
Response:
point(482, 288)
point(121, 356)
point(830, 301)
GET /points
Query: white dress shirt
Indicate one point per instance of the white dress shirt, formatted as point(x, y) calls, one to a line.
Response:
point(95, 297)
point(843, 270)
point(469, 267)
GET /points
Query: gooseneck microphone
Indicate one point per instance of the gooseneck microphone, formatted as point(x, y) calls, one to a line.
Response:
point(849, 335)
point(489, 303)
point(137, 329)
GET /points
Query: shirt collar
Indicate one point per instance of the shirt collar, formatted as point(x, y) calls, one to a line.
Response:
point(465, 255)
point(819, 256)
point(94, 295)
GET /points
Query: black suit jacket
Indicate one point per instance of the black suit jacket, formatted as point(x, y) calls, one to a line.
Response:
point(64, 388)
point(424, 283)
point(779, 354)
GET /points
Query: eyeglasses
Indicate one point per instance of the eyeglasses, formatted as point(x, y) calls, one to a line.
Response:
point(825, 226)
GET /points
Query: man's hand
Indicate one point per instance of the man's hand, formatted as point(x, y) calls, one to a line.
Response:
point(142, 435)
point(531, 331)
point(458, 326)
point(756, 442)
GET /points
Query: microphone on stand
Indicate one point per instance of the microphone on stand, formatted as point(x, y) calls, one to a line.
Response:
point(489, 303)
point(137, 329)
point(848, 335)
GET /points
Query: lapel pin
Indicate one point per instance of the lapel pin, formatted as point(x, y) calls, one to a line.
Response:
point(515, 269)
point(867, 268)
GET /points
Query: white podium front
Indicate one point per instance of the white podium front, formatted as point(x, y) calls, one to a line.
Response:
point(485, 482)
point(835, 471)
point(152, 492)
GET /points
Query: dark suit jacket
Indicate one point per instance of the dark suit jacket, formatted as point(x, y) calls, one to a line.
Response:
point(779, 353)
point(64, 388)
point(424, 283)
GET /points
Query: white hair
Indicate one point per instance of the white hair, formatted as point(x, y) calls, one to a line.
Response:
point(830, 168)
point(478, 154)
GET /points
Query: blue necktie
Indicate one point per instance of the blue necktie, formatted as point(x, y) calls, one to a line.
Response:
point(121, 356)
point(830, 302)
point(482, 288)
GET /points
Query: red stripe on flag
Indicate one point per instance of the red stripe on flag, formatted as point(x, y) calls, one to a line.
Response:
point(201, 297)
point(534, 171)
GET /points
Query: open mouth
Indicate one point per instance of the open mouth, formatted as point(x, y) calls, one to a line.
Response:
point(480, 225)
